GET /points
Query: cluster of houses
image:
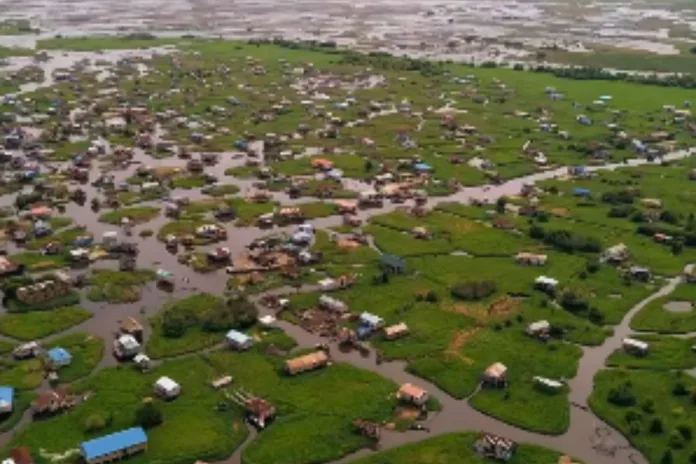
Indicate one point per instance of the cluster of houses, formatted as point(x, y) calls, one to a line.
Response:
point(495, 447)
point(53, 359)
point(619, 254)
point(60, 284)
point(53, 401)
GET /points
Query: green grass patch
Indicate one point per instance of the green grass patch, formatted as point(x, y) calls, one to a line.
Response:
point(86, 350)
point(315, 409)
point(118, 286)
point(138, 214)
point(194, 338)
point(118, 393)
point(318, 209)
point(222, 190)
point(641, 397)
point(22, 401)
point(455, 447)
point(65, 236)
point(39, 324)
point(183, 227)
point(70, 298)
point(655, 317)
point(188, 182)
point(23, 375)
point(332, 253)
point(6, 346)
point(665, 352)
point(37, 261)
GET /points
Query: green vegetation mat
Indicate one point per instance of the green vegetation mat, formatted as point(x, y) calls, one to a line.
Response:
point(655, 410)
point(39, 324)
point(456, 447)
point(118, 286)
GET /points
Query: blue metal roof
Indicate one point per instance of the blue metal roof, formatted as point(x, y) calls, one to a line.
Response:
point(423, 167)
point(116, 441)
point(238, 337)
point(393, 261)
point(6, 395)
point(59, 354)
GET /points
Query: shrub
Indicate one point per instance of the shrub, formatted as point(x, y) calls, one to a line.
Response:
point(94, 422)
point(592, 265)
point(474, 290)
point(679, 389)
point(667, 458)
point(148, 415)
point(634, 428)
point(648, 406)
point(235, 313)
point(620, 197)
point(500, 204)
point(622, 396)
point(622, 211)
point(656, 426)
point(692, 458)
point(431, 297)
point(566, 240)
point(686, 431)
point(175, 323)
point(676, 441)
point(596, 316)
point(669, 217)
point(573, 301)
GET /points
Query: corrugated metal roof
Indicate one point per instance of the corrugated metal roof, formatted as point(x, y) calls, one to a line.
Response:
point(59, 354)
point(6, 394)
point(116, 441)
point(238, 337)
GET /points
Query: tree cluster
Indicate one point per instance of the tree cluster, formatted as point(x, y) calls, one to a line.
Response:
point(474, 289)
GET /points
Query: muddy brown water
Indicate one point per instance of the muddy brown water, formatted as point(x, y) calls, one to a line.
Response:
point(588, 438)
point(430, 26)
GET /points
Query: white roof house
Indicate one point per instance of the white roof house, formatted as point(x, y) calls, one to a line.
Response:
point(128, 342)
point(332, 304)
point(238, 340)
point(109, 236)
point(538, 326)
point(327, 284)
point(548, 384)
point(546, 281)
point(267, 320)
point(167, 388)
point(631, 344)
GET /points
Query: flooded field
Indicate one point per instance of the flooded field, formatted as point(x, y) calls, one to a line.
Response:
point(462, 29)
point(154, 148)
